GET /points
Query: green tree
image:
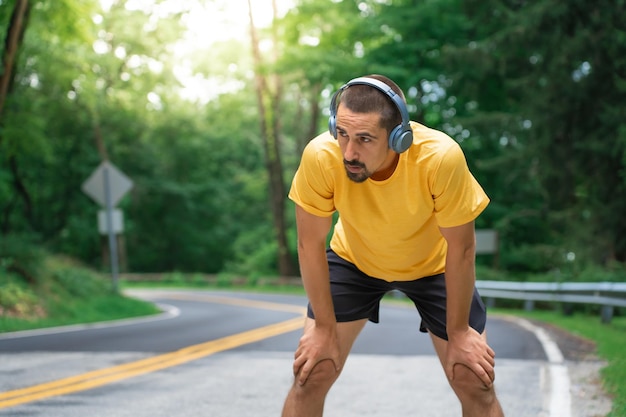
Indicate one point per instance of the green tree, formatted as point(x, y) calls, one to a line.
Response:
point(111, 93)
point(557, 70)
point(25, 150)
point(269, 92)
point(531, 91)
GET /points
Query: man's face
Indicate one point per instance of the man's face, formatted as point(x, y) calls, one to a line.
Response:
point(363, 143)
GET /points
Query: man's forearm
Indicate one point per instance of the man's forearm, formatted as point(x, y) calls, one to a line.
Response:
point(316, 282)
point(460, 282)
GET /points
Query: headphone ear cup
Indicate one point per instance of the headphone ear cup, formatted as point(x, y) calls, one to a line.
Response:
point(332, 119)
point(332, 125)
point(400, 139)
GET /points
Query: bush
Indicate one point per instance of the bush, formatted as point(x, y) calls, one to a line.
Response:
point(81, 282)
point(532, 258)
point(19, 255)
point(21, 264)
point(256, 253)
point(18, 300)
point(485, 273)
point(596, 273)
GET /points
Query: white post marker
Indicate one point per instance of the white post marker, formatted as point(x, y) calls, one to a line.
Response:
point(106, 186)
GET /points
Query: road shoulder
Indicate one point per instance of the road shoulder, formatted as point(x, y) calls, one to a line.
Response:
point(584, 366)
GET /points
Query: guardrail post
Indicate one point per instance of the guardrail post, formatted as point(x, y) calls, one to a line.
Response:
point(564, 296)
point(568, 309)
point(607, 314)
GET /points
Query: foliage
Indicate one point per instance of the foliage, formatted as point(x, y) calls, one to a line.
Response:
point(63, 292)
point(253, 253)
point(553, 71)
point(17, 299)
point(191, 174)
point(21, 256)
point(76, 283)
point(533, 92)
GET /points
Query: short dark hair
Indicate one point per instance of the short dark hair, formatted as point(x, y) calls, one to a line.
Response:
point(361, 98)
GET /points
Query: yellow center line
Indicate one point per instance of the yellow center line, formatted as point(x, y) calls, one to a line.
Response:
point(265, 305)
point(155, 363)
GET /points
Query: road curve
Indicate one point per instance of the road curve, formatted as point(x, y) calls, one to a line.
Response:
point(229, 354)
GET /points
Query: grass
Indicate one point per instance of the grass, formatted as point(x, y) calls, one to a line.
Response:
point(58, 292)
point(78, 311)
point(278, 289)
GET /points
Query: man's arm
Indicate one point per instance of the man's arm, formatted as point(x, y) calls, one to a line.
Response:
point(312, 233)
point(319, 342)
point(465, 345)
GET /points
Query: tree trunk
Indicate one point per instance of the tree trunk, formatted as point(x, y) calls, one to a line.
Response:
point(13, 39)
point(313, 129)
point(270, 132)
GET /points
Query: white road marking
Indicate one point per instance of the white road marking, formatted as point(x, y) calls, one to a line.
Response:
point(168, 312)
point(559, 399)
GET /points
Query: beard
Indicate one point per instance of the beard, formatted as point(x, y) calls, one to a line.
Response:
point(357, 177)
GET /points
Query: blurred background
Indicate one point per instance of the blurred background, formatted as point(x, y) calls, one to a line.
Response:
point(207, 105)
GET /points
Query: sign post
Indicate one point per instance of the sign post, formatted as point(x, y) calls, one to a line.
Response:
point(107, 185)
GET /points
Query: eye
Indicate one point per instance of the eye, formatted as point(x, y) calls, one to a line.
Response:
point(342, 133)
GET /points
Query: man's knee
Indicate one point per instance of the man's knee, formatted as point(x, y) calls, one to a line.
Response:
point(322, 377)
point(468, 385)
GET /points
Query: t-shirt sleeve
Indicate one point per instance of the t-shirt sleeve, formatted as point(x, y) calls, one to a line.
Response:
point(457, 195)
point(312, 186)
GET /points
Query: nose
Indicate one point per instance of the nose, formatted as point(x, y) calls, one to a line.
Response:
point(350, 152)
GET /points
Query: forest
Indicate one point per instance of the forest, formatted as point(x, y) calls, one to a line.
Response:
point(211, 131)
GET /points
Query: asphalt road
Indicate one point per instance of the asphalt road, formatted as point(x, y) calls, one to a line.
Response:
point(230, 354)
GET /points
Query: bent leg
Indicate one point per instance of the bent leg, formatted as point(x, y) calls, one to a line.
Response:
point(477, 400)
point(308, 400)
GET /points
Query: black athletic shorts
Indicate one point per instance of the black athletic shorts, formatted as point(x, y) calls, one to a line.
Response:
point(357, 296)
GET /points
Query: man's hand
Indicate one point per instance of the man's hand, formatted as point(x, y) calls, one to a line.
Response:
point(469, 348)
point(317, 344)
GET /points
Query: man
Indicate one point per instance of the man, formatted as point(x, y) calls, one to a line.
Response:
point(407, 203)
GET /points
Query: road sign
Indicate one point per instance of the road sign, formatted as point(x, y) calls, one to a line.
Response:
point(117, 220)
point(119, 184)
point(107, 185)
point(486, 241)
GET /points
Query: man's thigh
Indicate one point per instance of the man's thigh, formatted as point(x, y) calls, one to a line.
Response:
point(355, 295)
point(429, 296)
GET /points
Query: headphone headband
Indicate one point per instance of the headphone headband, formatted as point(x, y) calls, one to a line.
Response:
point(401, 137)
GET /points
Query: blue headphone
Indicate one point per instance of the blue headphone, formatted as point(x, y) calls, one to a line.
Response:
point(401, 136)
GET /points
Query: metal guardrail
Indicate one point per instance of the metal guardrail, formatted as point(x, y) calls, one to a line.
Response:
point(606, 294)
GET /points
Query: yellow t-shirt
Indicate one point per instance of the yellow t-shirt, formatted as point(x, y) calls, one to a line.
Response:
point(390, 229)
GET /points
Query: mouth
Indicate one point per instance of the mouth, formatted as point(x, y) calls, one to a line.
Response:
point(354, 166)
point(355, 169)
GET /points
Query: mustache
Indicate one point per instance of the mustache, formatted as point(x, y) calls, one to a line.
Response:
point(354, 163)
